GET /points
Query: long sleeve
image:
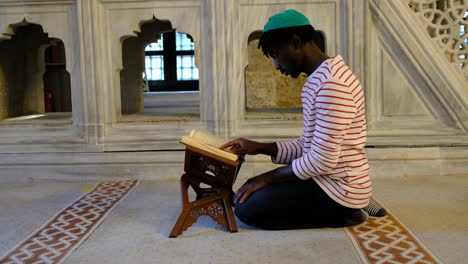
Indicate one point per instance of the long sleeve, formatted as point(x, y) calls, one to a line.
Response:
point(288, 151)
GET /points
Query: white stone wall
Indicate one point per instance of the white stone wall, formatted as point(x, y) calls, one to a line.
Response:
point(415, 96)
point(413, 99)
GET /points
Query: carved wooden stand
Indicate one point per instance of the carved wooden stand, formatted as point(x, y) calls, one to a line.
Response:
point(216, 201)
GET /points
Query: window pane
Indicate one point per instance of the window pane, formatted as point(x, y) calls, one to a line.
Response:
point(155, 46)
point(154, 67)
point(463, 31)
point(187, 74)
point(186, 69)
point(183, 42)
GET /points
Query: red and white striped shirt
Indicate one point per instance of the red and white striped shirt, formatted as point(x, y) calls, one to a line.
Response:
point(331, 149)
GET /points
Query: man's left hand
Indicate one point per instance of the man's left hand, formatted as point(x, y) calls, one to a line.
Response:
point(252, 185)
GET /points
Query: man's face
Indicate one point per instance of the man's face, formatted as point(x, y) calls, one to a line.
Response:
point(286, 60)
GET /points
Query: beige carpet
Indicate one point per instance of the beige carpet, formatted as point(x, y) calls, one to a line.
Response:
point(57, 238)
point(136, 230)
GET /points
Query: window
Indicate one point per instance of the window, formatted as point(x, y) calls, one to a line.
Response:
point(463, 31)
point(170, 64)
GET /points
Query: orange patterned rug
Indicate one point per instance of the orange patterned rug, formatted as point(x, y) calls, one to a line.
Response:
point(387, 240)
point(64, 232)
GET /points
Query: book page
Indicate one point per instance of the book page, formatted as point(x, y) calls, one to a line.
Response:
point(207, 138)
point(200, 145)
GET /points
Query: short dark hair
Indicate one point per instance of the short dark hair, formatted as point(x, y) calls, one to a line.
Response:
point(277, 38)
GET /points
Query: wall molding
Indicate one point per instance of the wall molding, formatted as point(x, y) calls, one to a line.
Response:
point(168, 165)
point(10, 3)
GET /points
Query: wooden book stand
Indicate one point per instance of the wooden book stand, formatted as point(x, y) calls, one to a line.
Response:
point(216, 201)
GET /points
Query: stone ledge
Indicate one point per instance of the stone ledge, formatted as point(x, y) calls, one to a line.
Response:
point(168, 165)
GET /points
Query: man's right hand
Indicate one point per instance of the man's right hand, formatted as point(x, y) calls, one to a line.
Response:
point(242, 146)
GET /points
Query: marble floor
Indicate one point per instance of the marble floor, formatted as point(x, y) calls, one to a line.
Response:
point(135, 229)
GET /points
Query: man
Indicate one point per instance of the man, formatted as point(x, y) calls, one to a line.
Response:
point(326, 182)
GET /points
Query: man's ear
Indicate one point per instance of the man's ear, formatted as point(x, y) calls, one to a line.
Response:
point(296, 41)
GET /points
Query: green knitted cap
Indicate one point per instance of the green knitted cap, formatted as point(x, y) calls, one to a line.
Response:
point(287, 18)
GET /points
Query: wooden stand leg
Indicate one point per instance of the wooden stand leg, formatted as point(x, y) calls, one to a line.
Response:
point(177, 229)
point(216, 205)
point(229, 213)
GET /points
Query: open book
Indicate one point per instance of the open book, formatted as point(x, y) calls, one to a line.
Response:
point(209, 143)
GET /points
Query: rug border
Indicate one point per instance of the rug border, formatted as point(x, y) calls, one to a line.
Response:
point(86, 236)
point(360, 252)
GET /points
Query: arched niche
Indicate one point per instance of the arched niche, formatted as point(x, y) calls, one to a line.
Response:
point(133, 60)
point(23, 68)
point(268, 93)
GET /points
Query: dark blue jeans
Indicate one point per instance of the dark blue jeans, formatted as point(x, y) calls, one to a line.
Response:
point(295, 205)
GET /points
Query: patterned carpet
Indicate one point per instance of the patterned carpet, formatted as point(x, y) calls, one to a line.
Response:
point(387, 240)
point(379, 240)
point(63, 233)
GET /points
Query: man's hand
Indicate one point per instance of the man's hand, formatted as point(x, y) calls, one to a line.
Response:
point(280, 174)
point(242, 146)
point(252, 185)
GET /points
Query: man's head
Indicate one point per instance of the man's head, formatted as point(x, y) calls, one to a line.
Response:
point(283, 37)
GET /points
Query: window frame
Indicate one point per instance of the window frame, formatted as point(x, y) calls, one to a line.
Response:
point(169, 53)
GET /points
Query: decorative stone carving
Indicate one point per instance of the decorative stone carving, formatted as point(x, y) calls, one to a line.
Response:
point(446, 22)
point(414, 96)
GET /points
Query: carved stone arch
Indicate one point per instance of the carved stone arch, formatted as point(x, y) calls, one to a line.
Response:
point(151, 29)
point(133, 62)
point(23, 26)
point(23, 66)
